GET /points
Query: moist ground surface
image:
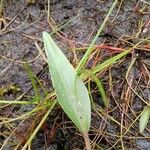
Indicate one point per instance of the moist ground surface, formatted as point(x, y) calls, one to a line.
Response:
point(21, 32)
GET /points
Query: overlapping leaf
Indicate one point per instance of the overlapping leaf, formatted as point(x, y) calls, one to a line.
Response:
point(71, 92)
point(144, 118)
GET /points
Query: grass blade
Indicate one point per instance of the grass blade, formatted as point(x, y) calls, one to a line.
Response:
point(104, 65)
point(109, 62)
point(89, 50)
point(33, 81)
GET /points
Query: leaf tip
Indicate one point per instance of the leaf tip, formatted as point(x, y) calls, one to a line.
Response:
point(144, 118)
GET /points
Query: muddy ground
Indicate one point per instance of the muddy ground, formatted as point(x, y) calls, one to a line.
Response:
point(21, 30)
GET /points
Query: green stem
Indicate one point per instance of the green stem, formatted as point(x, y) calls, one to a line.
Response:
point(38, 127)
point(89, 50)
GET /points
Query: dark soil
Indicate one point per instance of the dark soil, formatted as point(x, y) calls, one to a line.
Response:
point(22, 27)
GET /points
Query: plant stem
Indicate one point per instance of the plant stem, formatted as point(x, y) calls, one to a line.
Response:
point(38, 127)
point(87, 140)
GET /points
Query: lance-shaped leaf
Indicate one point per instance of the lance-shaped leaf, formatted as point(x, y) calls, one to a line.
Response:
point(144, 118)
point(71, 92)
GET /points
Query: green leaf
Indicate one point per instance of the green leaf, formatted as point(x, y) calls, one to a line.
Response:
point(105, 64)
point(144, 118)
point(71, 92)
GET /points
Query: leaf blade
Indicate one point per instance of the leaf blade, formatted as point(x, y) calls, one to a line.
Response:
point(144, 118)
point(70, 89)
